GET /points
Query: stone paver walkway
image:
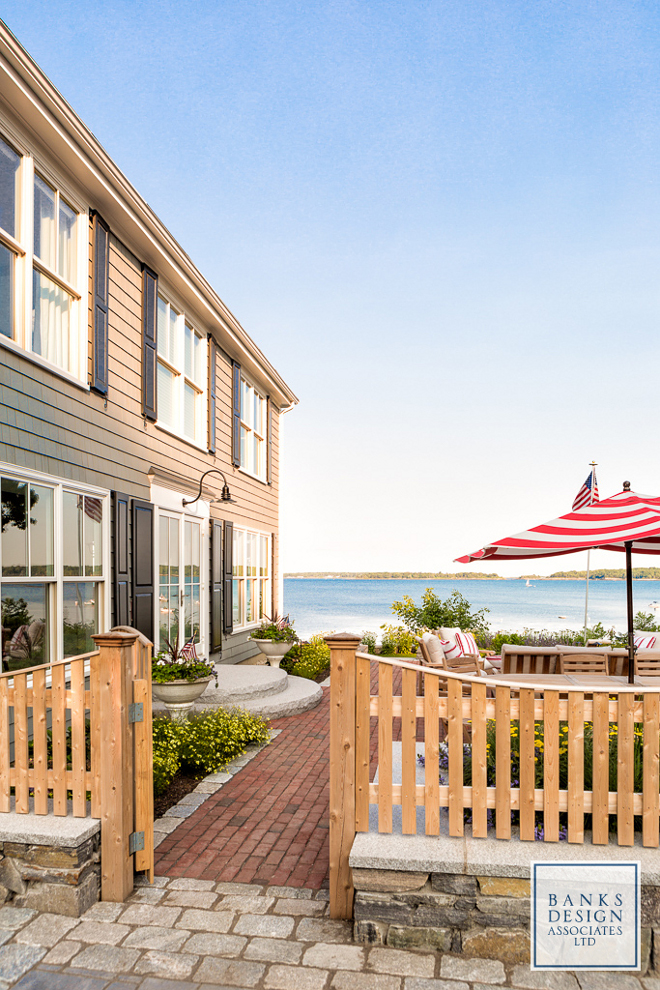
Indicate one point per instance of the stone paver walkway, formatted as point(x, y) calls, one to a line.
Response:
point(269, 823)
point(186, 934)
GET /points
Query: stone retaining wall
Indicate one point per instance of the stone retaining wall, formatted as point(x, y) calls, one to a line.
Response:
point(50, 863)
point(478, 916)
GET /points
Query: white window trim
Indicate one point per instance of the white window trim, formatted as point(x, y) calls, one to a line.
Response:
point(263, 438)
point(255, 477)
point(178, 368)
point(59, 485)
point(248, 626)
point(32, 160)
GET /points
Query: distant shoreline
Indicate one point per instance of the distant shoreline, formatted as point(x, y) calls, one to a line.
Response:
point(407, 576)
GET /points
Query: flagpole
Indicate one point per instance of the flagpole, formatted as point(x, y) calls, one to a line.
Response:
point(586, 595)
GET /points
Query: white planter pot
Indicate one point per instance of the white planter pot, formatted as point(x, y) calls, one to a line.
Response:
point(179, 696)
point(273, 651)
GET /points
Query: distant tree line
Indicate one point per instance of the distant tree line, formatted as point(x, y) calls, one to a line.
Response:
point(397, 575)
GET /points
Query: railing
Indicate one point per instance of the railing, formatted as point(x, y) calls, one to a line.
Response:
point(551, 725)
point(73, 738)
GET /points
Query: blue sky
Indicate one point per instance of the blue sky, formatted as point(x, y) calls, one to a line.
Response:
point(441, 222)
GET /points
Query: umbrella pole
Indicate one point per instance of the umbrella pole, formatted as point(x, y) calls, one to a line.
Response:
point(631, 636)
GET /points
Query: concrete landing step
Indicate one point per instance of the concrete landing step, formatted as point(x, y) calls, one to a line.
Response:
point(238, 683)
point(300, 695)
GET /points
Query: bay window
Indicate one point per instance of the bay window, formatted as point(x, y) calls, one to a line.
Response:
point(181, 375)
point(42, 261)
point(251, 577)
point(52, 570)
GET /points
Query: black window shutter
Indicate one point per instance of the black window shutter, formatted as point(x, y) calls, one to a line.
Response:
point(269, 440)
point(212, 395)
point(121, 560)
point(143, 568)
point(227, 575)
point(236, 417)
point(149, 317)
point(100, 304)
point(216, 586)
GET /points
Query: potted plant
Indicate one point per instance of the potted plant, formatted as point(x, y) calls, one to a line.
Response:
point(179, 677)
point(275, 637)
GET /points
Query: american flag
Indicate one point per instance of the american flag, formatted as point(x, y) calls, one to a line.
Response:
point(188, 651)
point(588, 494)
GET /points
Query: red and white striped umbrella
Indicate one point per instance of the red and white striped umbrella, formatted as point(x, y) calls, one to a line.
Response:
point(607, 525)
point(627, 522)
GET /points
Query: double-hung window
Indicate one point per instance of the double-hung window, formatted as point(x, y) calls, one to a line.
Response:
point(53, 559)
point(253, 428)
point(181, 374)
point(41, 263)
point(251, 577)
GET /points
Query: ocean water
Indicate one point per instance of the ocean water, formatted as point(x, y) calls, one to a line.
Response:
point(342, 605)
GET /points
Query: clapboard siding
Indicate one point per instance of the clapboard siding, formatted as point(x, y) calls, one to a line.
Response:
point(48, 424)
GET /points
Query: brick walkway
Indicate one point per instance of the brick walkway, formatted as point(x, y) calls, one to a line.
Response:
point(269, 824)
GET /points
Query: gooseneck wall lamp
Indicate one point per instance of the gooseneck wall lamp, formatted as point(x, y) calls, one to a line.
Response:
point(225, 495)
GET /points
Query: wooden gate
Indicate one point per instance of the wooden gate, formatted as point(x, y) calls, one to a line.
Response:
point(82, 735)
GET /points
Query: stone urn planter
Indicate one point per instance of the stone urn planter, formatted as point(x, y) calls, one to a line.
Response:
point(179, 696)
point(272, 650)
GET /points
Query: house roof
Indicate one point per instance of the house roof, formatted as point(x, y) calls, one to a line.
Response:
point(28, 93)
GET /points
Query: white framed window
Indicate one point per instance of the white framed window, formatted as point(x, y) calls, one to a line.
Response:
point(253, 428)
point(43, 258)
point(53, 569)
point(181, 587)
point(251, 577)
point(181, 376)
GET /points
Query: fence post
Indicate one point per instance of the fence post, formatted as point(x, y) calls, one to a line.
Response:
point(343, 647)
point(115, 674)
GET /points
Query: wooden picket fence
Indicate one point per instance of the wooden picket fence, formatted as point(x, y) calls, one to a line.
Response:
point(74, 735)
point(466, 704)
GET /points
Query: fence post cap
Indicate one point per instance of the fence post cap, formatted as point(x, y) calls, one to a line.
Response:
point(115, 638)
point(342, 638)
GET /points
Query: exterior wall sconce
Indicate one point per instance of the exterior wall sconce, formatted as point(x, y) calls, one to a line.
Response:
point(225, 495)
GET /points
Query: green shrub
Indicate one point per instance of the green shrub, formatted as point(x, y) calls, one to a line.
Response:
point(308, 659)
point(212, 738)
point(203, 744)
point(368, 644)
point(397, 641)
point(433, 613)
point(166, 736)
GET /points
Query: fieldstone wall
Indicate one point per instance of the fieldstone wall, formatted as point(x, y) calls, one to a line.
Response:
point(477, 916)
point(58, 879)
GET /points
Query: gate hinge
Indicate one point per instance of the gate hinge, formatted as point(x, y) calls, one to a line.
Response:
point(136, 712)
point(135, 842)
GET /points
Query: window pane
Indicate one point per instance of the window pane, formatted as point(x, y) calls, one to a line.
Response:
point(25, 625)
point(251, 554)
point(197, 358)
point(188, 350)
point(6, 292)
point(9, 165)
point(44, 222)
point(189, 404)
point(258, 406)
point(14, 528)
point(192, 579)
point(51, 323)
point(41, 531)
point(238, 554)
point(161, 328)
point(168, 605)
point(237, 602)
point(167, 405)
point(80, 601)
point(263, 588)
point(246, 411)
point(249, 601)
point(244, 446)
point(171, 337)
point(66, 266)
point(257, 455)
point(263, 556)
point(93, 523)
point(72, 534)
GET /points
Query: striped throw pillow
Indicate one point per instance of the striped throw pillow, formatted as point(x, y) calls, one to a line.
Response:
point(644, 642)
point(452, 651)
point(467, 643)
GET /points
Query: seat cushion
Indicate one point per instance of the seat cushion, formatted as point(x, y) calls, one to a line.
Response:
point(434, 648)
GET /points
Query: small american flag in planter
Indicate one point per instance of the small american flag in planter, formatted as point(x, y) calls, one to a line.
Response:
point(188, 652)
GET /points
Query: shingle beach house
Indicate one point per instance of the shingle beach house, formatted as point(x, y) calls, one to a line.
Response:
point(123, 379)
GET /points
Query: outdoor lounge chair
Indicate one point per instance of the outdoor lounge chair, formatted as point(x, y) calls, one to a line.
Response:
point(647, 663)
point(529, 659)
